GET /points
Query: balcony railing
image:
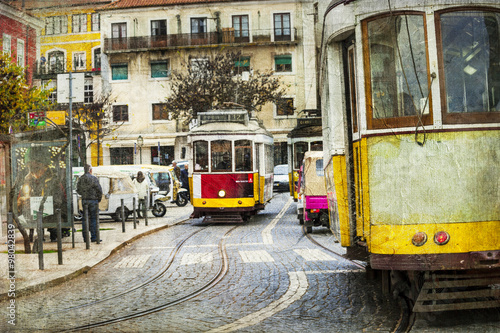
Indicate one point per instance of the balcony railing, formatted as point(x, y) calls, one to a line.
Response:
point(226, 36)
point(46, 69)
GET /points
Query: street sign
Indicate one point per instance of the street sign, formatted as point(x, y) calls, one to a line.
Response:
point(77, 85)
point(57, 117)
point(36, 118)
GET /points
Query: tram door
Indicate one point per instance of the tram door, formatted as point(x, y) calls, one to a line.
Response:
point(354, 143)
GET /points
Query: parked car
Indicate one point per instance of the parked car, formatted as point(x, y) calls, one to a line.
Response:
point(281, 183)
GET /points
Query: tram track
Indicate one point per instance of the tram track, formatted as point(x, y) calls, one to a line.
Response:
point(151, 280)
point(222, 271)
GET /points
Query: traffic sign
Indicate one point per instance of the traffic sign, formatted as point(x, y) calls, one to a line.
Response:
point(37, 118)
point(77, 87)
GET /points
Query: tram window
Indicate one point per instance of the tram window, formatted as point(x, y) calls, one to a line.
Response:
point(221, 155)
point(201, 156)
point(398, 71)
point(317, 146)
point(319, 168)
point(243, 155)
point(269, 158)
point(470, 42)
point(299, 150)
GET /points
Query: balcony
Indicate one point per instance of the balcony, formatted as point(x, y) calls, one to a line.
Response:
point(225, 36)
point(46, 70)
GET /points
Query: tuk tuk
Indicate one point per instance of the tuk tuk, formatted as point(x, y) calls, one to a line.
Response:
point(313, 191)
point(115, 185)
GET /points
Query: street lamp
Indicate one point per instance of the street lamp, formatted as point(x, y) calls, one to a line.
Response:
point(140, 142)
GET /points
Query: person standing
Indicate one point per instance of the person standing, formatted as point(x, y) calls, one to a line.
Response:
point(142, 190)
point(185, 178)
point(89, 188)
point(177, 178)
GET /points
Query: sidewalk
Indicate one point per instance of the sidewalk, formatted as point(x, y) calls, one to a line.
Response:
point(29, 278)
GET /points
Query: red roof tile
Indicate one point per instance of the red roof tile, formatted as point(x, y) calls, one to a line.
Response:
point(119, 4)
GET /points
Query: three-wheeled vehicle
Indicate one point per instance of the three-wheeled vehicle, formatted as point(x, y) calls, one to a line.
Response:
point(115, 186)
point(313, 191)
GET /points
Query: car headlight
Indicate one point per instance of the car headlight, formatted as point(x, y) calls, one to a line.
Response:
point(222, 194)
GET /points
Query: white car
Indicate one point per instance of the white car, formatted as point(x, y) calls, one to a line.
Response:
point(281, 183)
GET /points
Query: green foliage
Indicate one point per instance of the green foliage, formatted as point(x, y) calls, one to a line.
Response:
point(17, 97)
point(210, 82)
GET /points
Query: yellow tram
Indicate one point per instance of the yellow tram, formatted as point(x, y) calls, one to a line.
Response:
point(411, 98)
point(232, 174)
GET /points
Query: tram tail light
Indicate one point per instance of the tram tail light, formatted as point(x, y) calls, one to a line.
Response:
point(419, 239)
point(441, 237)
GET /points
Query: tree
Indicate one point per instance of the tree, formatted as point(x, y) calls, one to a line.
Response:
point(210, 82)
point(18, 98)
point(93, 119)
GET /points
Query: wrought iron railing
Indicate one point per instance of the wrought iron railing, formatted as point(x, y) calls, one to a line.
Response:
point(225, 36)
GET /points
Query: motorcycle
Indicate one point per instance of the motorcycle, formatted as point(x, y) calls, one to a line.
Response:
point(182, 197)
point(158, 208)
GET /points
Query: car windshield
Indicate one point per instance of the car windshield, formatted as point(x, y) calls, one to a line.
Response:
point(281, 169)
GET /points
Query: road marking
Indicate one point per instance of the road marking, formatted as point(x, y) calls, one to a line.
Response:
point(314, 255)
point(266, 233)
point(256, 256)
point(296, 289)
point(197, 258)
point(135, 261)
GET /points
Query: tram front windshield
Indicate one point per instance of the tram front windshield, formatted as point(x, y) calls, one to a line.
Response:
point(221, 153)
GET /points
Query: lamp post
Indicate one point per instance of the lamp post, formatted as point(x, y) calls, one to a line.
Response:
point(140, 142)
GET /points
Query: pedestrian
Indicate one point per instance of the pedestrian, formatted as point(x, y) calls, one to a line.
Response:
point(89, 188)
point(185, 177)
point(177, 178)
point(141, 186)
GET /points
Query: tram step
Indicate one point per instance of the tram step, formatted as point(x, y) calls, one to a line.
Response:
point(444, 292)
point(223, 219)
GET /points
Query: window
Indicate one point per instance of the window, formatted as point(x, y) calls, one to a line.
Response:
point(51, 84)
point(79, 23)
point(320, 172)
point(122, 155)
point(120, 113)
point(240, 26)
point(97, 59)
point(159, 28)
point(20, 52)
point(282, 27)
point(95, 19)
point(243, 155)
point(165, 157)
point(119, 71)
point(160, 112)
point(200, 155)
point(299, 149)
point(6, 43)
point(79, 61)
point(199, 25)
point(119, 30)
point(470, 50)
point(88, 90)
point(316, 146)
point(283, 63)
point(242, 65)
point(221, 156)
point(56, 25)
point(398, 83)
point(160, 68)
point(285, 107)
point(56, 62)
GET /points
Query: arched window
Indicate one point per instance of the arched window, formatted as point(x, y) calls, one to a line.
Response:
point(56, 62)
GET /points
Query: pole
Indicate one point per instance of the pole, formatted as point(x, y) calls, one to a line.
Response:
point(123, 215)
point(133, 213)
point(59, 236)
point(70, 162)
point(86, 226)
point(39, 231)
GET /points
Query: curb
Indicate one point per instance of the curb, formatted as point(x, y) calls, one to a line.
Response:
point(57, 281)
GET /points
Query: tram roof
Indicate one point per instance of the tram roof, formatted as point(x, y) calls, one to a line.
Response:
point(228, 122)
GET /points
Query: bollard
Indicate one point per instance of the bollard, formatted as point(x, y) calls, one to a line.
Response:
point(123, 215)
point(39, 232)
point(146, 205)
point(97, 232)
point(59, 238)
point(85, 224)
point(133, 213)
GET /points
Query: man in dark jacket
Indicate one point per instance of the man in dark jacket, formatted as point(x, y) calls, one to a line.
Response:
point(89, 188)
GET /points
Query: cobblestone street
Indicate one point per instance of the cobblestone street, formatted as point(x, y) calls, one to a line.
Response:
point(262, 276)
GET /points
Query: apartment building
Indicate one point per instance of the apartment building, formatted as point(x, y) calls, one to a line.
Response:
point(144, 42)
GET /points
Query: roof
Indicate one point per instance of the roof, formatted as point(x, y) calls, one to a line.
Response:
point(45, 4)
point(122, 4)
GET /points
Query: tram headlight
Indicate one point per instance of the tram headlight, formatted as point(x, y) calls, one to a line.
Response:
point(419, 239)
point(441, 238)
point(222, 194)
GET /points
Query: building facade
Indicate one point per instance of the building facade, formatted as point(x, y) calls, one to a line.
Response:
point(144, 43)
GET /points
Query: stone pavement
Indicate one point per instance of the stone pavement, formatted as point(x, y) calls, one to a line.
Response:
point(29, 278)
